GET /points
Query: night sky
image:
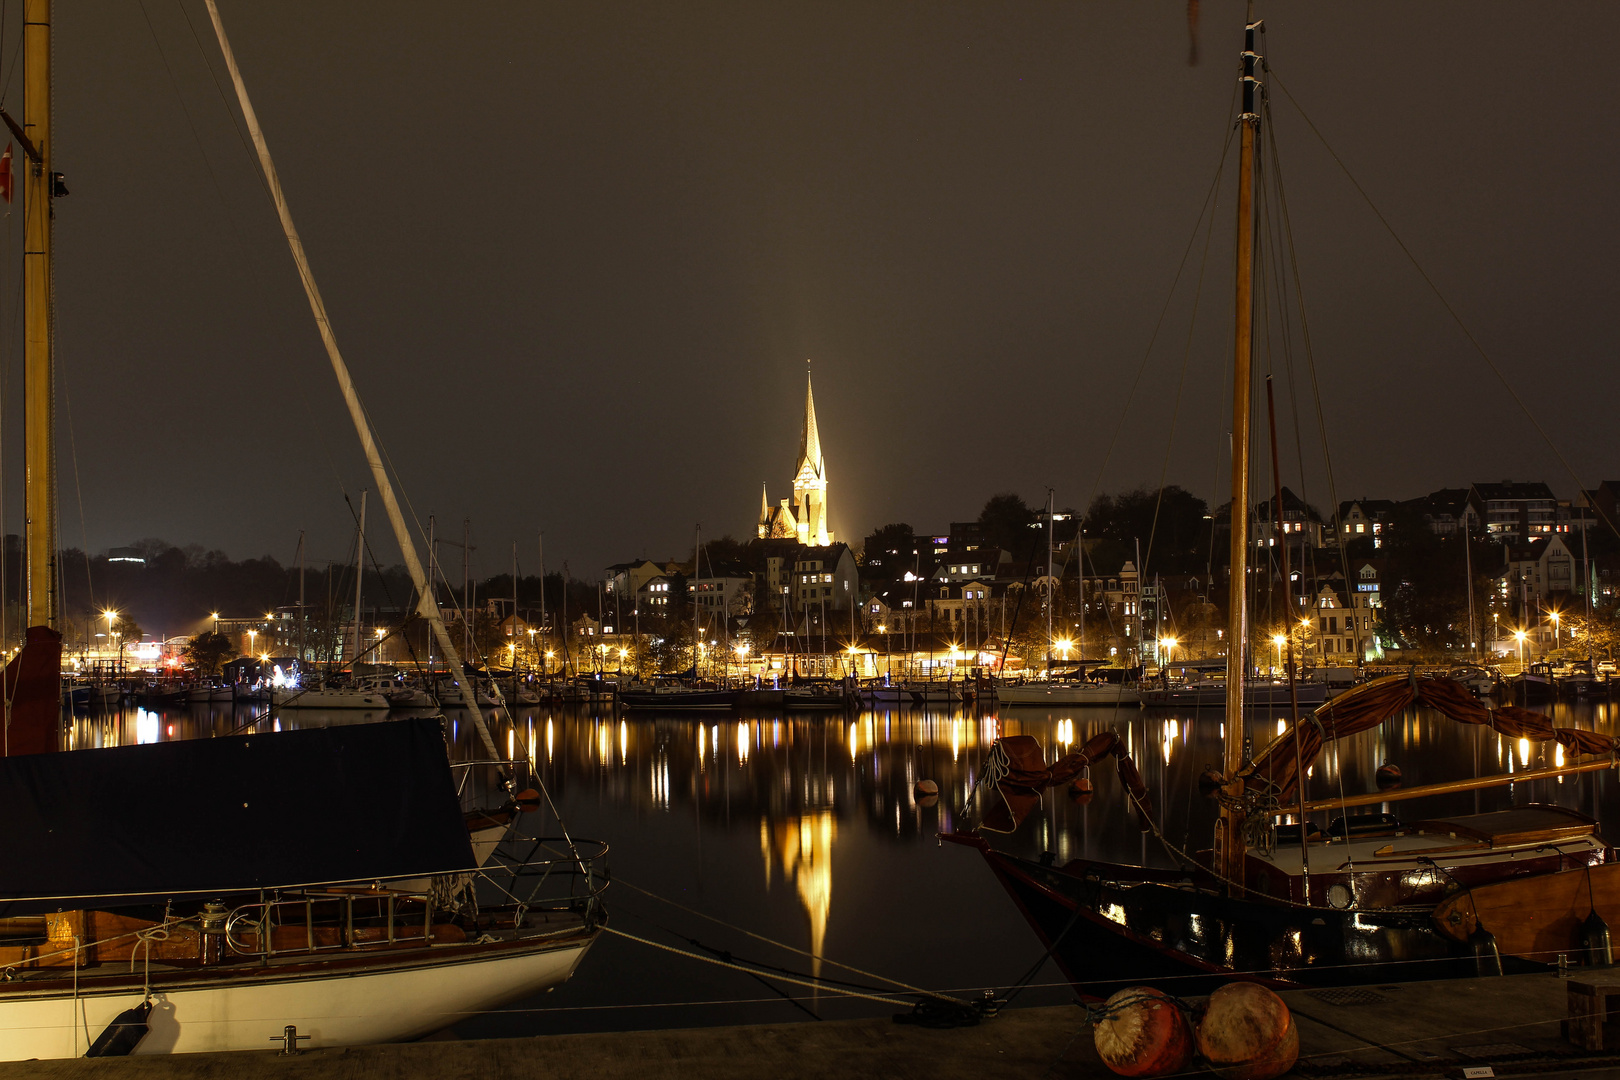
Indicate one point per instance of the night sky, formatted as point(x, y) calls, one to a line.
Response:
point(577, 256)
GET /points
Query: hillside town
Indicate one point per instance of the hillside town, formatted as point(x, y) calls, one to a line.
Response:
point(1506, 571)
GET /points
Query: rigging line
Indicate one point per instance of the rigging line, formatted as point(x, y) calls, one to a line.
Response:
point(78, 491)
point(772, 941)
point(1181, 382)
point(242, 136)
point(1310, 359)
point(1147, 353)
point(1462, 326)
point(890, 1001)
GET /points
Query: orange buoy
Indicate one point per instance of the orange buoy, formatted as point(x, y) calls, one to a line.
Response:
point(1388, 776)
point(1080, 789)
point(527, 799)
point(1247, 1033)
point(1142, 1033)
point(926, 788)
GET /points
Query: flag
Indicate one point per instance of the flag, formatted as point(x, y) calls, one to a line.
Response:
point(5, 174)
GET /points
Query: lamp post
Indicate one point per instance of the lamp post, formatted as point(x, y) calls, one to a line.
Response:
point(1279, 641)
point(1556, 639)
point(1519, 636)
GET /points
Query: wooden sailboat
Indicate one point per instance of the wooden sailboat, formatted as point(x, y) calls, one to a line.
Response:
point(1371, 898)
point(142, 915)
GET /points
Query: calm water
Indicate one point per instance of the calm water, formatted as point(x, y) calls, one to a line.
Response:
point(804, 829)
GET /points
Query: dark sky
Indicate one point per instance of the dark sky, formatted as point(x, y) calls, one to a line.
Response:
point(578, 254)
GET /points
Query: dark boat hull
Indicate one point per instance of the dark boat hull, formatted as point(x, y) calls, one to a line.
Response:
point(1109, 927)
point(679, 699)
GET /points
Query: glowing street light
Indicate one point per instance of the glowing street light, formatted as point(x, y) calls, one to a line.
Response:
point(1519, 636)
point(1279, 640)
point(1168, 644)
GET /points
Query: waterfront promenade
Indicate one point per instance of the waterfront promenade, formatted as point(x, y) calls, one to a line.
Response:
point(1509, 1025)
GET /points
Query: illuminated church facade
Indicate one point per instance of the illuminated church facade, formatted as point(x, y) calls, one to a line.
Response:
point(804, 517)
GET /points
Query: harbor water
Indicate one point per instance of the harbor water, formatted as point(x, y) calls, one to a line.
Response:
point(807, 830)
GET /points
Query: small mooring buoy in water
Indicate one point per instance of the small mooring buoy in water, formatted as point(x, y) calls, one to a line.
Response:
point(1142, 1033)
point(1080, 790)
point(1209, 783)
point(1247, 1033)
point(1388, 776)
point(927, 792)
point(528, 799)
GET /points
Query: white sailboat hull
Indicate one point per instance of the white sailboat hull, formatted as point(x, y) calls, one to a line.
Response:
point(1067, 694)
point(328, 699)
point(368, 1006)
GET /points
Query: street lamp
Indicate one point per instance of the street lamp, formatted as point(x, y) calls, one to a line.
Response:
point(1168, 644)
point(1279, 641)
point(216, 622)
point(1556, 639)
point(1519, 636)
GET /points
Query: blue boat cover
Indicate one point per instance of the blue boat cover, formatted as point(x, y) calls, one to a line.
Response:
point(207, 817)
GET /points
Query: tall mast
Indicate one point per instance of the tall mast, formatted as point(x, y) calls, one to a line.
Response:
point(432, 578)
point(359, 573)
point(1229, 846)
point(357, 412)
point(1051, 581)
point(543, 627)
point(300, 598)
point(39, 371)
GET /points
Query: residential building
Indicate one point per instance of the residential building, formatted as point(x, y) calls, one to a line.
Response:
point(1514, 512)
point(824, 575)
point(1364, 518)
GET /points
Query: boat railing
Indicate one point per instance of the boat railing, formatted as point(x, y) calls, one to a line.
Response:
point(328, 918)
point(550, 872)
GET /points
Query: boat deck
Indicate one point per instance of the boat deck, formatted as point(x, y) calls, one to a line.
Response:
point(1418, 1029)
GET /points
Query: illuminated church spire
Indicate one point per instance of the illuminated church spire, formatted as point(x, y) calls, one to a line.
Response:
point(805, 517)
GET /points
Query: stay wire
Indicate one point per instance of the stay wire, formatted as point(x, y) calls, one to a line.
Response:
point(1158, 323)
point(1310, 354)
point(1462, 326)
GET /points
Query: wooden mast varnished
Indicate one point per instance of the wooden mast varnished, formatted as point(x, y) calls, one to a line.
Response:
point(1229, 846)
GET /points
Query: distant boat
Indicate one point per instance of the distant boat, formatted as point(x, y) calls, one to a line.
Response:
point(328, 698)
point(1058, 692)
point(678, 697)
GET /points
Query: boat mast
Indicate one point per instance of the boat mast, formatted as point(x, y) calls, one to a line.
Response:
point(1288, 637)
point(357, 413)
point(38, 368)
point(545, 628)
point(300, 597)
point(1229, 846)
point(359, 573)
point(1051, 581)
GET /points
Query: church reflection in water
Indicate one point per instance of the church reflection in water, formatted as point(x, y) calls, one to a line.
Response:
point(802, 848)
point(803, 779)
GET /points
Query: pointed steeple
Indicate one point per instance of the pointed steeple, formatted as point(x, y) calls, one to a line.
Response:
point(810, 438)
point(764, 502)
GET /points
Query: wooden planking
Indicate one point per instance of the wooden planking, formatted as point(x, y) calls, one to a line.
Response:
point(1537, 916)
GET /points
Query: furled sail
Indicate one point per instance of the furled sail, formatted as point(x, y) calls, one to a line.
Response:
point(1370, 704)
point(1016, 773)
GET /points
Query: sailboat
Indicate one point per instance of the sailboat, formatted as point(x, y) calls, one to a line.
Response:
point(1370, 898)
point(323, 879)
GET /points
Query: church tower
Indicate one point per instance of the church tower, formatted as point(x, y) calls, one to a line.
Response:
point(810, 479)
point(805, 517)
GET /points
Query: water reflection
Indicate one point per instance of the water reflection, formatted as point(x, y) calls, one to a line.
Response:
point(740, 817)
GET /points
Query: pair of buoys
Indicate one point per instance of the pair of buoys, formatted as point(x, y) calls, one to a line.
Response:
point(1244, 1033)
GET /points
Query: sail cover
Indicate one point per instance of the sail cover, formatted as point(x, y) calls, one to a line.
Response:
point(1371, 703)
point(206, 817)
